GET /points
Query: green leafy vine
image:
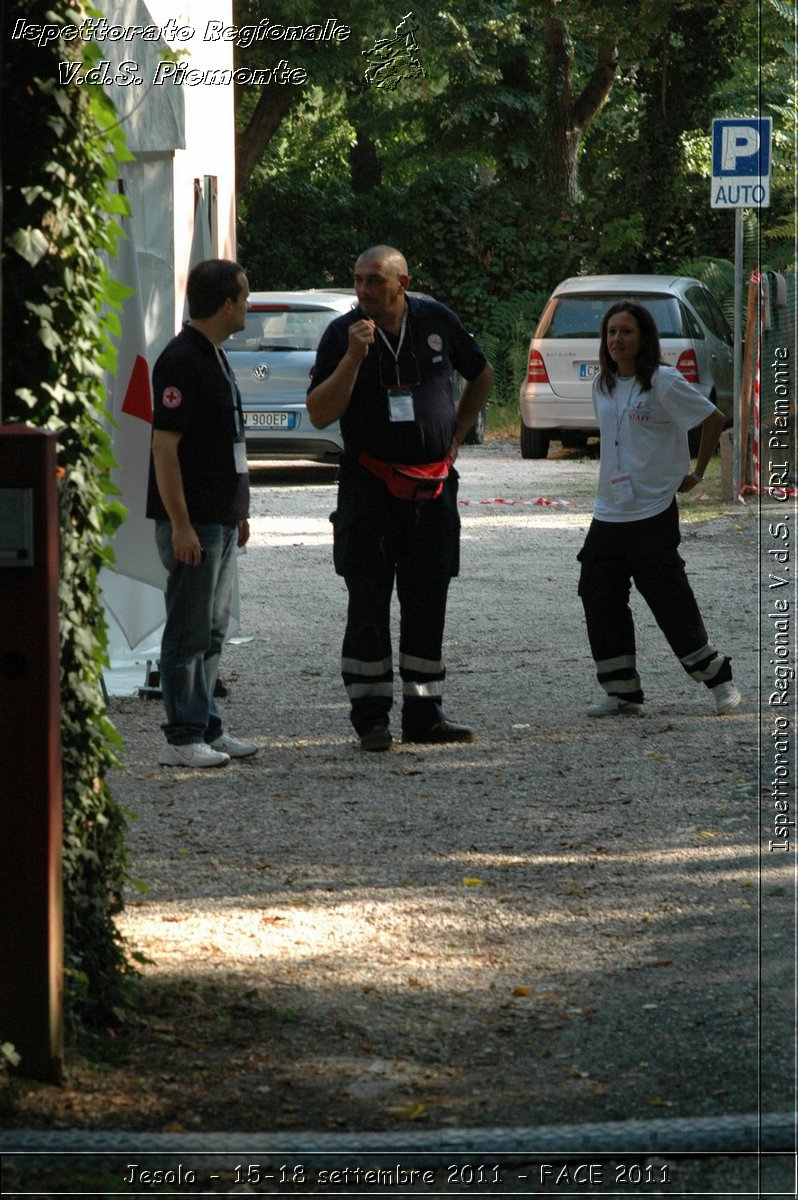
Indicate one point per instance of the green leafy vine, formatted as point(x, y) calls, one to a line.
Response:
point(60, 306)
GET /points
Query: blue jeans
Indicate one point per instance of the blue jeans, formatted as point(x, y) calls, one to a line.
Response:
point(198, 602)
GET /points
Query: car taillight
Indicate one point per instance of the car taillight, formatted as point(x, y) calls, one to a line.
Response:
point(536, 370)
point(688, 366)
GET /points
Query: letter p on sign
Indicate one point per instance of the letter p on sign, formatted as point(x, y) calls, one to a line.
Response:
point(741, 147)
point(738, 141)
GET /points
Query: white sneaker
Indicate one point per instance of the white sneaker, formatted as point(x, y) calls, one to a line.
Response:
point(195, 754)
point(613, 706)
point(727, 697)
point(232, 746)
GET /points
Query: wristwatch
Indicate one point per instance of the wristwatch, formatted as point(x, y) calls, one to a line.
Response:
point(698, 478)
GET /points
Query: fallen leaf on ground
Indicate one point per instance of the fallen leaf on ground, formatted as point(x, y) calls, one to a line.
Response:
point(411, 1112)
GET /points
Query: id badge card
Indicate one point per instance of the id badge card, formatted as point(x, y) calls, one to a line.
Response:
point(400, 404)
point(622, 490)
point(240, 455)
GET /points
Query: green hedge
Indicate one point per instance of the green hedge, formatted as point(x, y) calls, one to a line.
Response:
point(493, 264)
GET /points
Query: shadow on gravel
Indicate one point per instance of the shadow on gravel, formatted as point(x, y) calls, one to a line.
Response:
point(567, 923)
point(294, 473)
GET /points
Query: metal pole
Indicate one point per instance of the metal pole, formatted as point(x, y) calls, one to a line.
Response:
point(738, 351)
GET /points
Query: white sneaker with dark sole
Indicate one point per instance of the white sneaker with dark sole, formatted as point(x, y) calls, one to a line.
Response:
point(227, 744)
point(613, 706)
point(727, 697)
point(195, 754)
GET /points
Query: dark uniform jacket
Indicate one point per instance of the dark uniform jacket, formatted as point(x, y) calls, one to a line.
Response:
point(436, 344)
point(194, 393)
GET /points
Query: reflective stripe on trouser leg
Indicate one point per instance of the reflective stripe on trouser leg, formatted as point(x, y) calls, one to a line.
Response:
point(707, 666)
point(618, 676)
point(364, 679)
point(421, 677)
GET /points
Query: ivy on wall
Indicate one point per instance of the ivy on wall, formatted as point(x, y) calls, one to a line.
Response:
point(59, 306)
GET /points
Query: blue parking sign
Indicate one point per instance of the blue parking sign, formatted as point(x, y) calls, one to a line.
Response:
point(741, 162)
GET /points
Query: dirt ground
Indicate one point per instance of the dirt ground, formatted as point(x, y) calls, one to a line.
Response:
point(569, 922)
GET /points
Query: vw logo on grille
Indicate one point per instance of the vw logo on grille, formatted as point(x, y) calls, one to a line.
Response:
point(261, 371)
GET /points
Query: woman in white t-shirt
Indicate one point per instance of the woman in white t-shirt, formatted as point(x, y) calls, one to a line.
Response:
point(644, 410)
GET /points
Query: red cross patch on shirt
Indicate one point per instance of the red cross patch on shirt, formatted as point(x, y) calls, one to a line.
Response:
point(172, 397)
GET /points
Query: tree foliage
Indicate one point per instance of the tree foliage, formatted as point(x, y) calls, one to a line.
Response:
point(547, 138)
point(59, 208)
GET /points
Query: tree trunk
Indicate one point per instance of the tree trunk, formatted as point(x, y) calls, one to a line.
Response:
point(567, 119)
point(364, 165)
point(272, 106)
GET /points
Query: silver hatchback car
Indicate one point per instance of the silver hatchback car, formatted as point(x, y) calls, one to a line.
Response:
point(272, 360)
point(556, 396)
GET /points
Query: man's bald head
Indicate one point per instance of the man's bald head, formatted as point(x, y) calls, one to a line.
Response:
point(388, 257)
point(381, 280)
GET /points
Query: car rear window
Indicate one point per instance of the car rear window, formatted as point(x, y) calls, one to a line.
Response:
point(580, 316)
point(282, 328)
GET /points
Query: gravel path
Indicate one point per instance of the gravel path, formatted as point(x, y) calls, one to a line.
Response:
point(559, 924)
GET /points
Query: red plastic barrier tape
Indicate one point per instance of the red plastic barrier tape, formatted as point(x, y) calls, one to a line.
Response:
point(541, 502)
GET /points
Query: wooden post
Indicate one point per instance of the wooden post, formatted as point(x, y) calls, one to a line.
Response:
point(31, 902)
point(751, 334)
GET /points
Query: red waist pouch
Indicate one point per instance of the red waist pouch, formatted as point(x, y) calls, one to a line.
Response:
point(420, 481)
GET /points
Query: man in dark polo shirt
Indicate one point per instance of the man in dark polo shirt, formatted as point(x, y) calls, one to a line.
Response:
point(198, 496)
point(385, 370)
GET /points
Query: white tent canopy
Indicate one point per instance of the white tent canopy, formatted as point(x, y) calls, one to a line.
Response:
point(181, 189)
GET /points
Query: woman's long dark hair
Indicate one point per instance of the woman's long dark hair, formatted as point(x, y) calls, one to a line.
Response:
point(649, 356)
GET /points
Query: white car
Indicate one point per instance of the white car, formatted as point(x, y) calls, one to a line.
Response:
point(556, 396)
point(272, 360)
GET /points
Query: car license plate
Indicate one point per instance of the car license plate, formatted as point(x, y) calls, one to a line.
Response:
point(269, 420)
point(587, 370)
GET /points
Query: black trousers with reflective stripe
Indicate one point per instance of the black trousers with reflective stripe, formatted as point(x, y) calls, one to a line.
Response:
point(381, 542)
point(646, 553)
